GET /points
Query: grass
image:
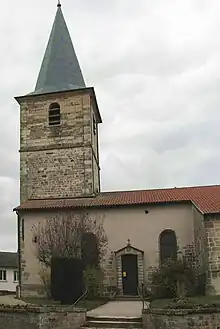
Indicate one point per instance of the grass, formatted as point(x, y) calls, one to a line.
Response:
point(198, 300)
point(88, 304)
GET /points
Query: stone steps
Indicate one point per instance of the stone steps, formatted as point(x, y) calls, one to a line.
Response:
point(112, 322)
point(127, 298)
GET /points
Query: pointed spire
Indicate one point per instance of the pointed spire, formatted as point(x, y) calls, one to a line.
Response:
point(60, 68)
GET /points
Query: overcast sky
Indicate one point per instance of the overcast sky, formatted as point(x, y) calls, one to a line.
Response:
point(155, 65)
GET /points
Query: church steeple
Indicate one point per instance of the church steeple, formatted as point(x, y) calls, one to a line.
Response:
point(59, 150)
point(60, 69)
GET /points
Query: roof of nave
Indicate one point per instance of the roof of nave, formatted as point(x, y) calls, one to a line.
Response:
point(205, 198)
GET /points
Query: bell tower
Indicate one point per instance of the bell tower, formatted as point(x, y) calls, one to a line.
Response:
point(59, 151)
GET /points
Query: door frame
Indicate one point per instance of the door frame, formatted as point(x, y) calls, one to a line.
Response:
point(130, 274)
point(129, 249)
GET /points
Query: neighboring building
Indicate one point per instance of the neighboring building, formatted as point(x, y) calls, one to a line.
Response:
point(60, 172)
point(9, 273)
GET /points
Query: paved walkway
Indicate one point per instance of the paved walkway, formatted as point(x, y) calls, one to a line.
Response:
point(11, 300)
point(118, 309)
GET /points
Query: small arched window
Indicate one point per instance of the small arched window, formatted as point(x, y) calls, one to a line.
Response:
point(90, 253)
point(54, 114)
point(168, 246)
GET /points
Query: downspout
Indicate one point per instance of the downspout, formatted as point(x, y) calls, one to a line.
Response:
point(19, 245)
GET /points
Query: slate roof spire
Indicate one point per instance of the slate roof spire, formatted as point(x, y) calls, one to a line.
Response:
point(60, 69)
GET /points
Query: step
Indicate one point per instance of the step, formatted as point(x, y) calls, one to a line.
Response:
point(114, 318)
point(113, 322)
point(113, 327)
point(127, 298)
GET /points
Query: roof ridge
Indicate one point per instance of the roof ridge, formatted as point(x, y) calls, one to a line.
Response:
point(162, 189)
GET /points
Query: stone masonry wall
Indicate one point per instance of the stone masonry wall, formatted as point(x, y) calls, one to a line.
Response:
point(212, 227)
point(189, 252)
point(60, 173)
point(181, 319)
point(57, 161)
point(200, 239)
point(140, 266)
point(28, 317)
point(110, 275)
point(95, 148)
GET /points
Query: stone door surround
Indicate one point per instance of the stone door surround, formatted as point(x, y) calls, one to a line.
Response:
point(129, 249)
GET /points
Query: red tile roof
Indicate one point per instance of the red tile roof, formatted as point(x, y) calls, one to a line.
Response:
point(205, 198)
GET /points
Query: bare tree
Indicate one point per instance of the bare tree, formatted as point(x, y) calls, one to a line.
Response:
point(63, 235)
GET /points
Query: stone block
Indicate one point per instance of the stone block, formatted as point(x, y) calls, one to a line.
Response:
point(46, 317)
point(201, 318)
point(57, 161)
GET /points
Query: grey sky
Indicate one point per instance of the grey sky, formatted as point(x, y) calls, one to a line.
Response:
point(155, 66)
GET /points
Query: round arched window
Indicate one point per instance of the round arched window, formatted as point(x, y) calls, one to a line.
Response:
point(90, 252)
point(168, 245)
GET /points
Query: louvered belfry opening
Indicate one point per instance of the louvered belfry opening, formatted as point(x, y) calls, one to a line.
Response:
point(54, 114)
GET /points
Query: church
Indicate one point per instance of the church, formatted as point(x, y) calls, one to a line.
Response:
point(60, 172)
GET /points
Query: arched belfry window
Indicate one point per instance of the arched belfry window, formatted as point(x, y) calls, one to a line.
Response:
point(168, 245)
point(90, 252)
point(54, 114)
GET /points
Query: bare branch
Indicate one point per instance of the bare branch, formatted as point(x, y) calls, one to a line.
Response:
point(62, 234)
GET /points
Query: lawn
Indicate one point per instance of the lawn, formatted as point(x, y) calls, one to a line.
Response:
point(190, 301)
point(88, 304)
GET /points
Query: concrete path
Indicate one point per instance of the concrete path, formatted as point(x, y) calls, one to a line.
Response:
point(11, 300)
point(118, 309)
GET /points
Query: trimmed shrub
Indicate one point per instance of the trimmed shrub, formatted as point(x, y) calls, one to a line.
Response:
point(174, 279)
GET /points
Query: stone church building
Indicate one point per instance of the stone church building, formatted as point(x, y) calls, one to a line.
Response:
point(60, 172)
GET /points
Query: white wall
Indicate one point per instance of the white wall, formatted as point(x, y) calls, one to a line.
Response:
point(121, 224)
point(9, 284)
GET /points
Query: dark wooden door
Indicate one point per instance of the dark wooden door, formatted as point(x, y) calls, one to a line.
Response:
point(129, 274)
point(66, 279)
